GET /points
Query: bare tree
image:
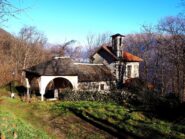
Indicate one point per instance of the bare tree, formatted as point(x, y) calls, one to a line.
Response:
point(6, 62)
point(75, 52)
point(174, 30)
point(7, 10)
point(94, 41)
point(27, 49)
point(143, 45)
point(62, 49)
point(163, 51)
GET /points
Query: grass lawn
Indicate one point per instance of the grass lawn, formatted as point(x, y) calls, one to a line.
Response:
point(12, 123)
point(13, 127)
point(79, 119)
point(37, 120)
point(122, 122)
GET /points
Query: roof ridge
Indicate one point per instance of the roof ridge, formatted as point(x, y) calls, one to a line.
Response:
point(78, 63)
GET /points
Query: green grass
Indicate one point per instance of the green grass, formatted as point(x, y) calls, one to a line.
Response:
point(34, 120)
point(121, 119)
point(11, 126)
point(37, 120)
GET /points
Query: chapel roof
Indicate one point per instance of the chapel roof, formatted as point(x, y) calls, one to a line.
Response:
point(127, 57)
point(66, 67)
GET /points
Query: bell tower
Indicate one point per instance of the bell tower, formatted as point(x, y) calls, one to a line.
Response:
point(117, 44)
point(117, 48)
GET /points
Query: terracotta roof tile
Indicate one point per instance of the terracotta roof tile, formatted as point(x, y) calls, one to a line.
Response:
point(130, 57)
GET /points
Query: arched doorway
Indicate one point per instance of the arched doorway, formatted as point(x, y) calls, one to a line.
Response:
point(45, 80)
point(56, 86)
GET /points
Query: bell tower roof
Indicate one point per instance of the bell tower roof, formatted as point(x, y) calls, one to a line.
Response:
point(116, 35)
point(117, 44)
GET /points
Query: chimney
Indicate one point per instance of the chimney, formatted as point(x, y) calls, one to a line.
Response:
point(117, 44)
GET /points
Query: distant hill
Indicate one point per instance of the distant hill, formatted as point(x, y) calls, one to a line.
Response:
point(4, 33)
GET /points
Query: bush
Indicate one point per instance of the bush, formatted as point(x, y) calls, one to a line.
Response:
point(119, 97)
point(135, 85)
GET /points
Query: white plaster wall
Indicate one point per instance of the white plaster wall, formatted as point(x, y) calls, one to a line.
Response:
point(97, 59)
point(134, 71)
point(44, 80)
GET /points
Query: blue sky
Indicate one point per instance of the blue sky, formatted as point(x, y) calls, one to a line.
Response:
point(63, 20)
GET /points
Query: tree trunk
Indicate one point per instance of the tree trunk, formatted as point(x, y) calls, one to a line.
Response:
point(183, 92)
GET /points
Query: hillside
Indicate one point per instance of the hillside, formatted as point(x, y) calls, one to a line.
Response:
point(4, 33)
point(80, 119)
point(38, 120)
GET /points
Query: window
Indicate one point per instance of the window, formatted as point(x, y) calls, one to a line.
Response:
point(101, 86)
point(129, 71)
point(120, 41)
point(136, 70)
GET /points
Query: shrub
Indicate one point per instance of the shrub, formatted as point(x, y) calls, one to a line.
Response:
point(119, 97)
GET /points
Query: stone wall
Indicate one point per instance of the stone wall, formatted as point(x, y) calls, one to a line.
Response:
point(96, 86)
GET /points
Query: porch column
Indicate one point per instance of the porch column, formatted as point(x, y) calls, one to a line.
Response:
point(42, 87)
point(42, 92)
point(27, 89)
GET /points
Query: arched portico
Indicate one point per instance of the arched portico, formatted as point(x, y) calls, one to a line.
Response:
point(44, 81)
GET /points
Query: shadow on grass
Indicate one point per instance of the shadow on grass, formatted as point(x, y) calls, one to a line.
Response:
point(105, 125)
point(139, 131)
point(150, 132)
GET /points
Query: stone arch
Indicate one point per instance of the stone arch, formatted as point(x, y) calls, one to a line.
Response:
point(58, 85)
point(60, 82)
point(45, 80)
